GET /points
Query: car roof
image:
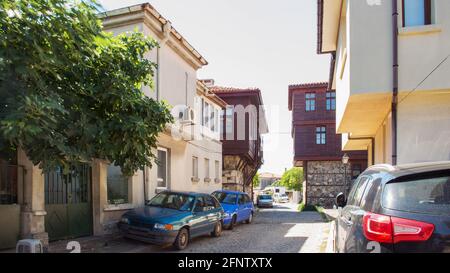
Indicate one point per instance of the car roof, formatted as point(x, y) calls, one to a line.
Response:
point(229, 191)
point(394, 172)
point(187, 193)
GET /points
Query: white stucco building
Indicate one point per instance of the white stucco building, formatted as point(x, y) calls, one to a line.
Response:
point(361, 35)
point(54, 206)
point(190, 152)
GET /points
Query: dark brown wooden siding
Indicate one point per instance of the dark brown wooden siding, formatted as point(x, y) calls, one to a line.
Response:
point(248, 148)
point(304, 125)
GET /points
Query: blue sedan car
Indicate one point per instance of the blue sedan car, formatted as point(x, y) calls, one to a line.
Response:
point(238, 207)
point(174, 218)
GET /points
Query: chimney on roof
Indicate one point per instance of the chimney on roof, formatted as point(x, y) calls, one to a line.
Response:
point(208, 82)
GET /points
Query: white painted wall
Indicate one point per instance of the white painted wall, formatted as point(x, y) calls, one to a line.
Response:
point(369, 49)
point(364, 79)
point(424, 128)
point(181, 153)
point(177, 86)
point(421, 49)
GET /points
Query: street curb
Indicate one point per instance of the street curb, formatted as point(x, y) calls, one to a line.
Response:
point(329, 247)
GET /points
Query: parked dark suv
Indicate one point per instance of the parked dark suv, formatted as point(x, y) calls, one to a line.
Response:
point(403, 209)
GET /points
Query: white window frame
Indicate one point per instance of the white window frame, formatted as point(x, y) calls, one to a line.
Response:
point(195, 170)
point(207, 163)
point(217, 169)
point(167, 170)
point(229, 123)
point(129, 190)
point(206, 115)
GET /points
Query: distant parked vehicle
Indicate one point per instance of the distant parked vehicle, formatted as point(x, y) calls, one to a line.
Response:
point(174, 218)
point(238, 207)
point(401, 209)
point(281, 198)
point(265, 201)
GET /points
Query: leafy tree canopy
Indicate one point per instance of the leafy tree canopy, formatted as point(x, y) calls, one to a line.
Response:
point(292, 179)
point(256, 180)
point(70, 92)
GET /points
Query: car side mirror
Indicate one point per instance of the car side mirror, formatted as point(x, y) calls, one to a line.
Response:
point(341, 200)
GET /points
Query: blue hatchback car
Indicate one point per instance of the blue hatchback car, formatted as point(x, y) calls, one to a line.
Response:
point(174, 218)
point(238, 207)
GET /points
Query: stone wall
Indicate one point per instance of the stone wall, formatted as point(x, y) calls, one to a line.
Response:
point(232, 177)
point(232, 180)
point(324, 180)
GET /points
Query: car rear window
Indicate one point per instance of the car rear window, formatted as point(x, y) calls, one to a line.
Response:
point(265, 197)
point(426, 196)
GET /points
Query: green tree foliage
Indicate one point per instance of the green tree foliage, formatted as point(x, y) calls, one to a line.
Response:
point(256, 180)
point(292, 179)
point(70, 92)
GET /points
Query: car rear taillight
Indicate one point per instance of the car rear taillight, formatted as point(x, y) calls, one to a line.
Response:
point(387, 229)
point(410, 230)
point(377, 228)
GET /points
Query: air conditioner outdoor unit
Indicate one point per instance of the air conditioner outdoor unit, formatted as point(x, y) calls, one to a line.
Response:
point(187, 116)
point(29, 246)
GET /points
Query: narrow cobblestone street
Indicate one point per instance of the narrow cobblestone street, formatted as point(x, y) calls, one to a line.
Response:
point(279, 230)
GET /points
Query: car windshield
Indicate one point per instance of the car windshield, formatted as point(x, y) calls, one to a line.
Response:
point(265, 197)
point(427, 196)
point(226, 198)
point(176, 201)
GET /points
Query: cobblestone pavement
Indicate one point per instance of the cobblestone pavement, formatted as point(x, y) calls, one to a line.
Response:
point(278, 230)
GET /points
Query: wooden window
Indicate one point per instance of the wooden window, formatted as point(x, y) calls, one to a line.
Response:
point(321, 135)
point(331, 100)
point(416, 12)
point(310, 99)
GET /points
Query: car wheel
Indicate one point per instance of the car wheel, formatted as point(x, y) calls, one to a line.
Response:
point(217, 229)
point(182, 240)
point(232, 223)
point(250, 219)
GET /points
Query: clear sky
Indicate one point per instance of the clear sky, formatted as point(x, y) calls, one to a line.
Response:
point(267, 44)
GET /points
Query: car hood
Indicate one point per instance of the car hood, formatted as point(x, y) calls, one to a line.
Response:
point(152, 214)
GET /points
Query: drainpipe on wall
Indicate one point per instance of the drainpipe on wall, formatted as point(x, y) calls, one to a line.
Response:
point(166, 34)
point(395, 80)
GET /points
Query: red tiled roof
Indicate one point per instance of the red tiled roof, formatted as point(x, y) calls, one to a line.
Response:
point(308, 85)
point(294, 87)
point(221, 89)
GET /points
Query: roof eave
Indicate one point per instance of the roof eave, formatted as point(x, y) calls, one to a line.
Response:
point(149, 8)
point(327, 30)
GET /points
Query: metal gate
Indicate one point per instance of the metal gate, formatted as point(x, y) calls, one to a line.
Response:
point(68, 203)
point(9, 207)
